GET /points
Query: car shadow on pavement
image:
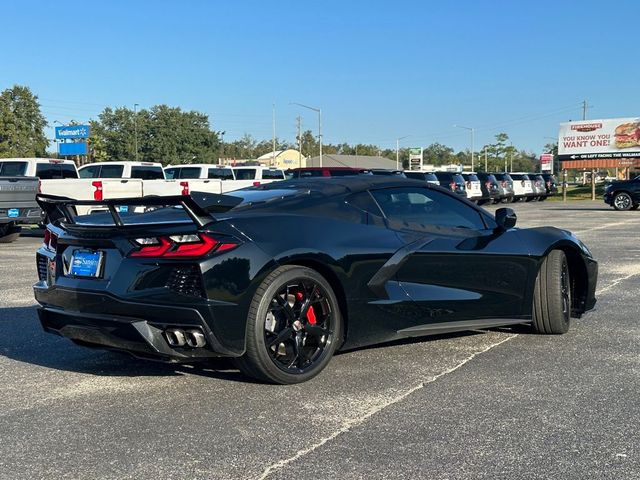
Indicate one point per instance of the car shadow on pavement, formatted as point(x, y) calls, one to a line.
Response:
point(24, 340)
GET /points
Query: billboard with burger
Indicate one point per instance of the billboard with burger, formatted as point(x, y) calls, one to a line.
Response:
point(595, 139)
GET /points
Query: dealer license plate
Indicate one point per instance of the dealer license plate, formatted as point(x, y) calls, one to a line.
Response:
point(13, 213)
point(86, 263)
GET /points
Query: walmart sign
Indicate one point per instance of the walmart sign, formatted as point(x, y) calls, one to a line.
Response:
point(72, 131)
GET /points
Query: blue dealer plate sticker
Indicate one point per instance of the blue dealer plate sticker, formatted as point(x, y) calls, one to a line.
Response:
point(13, 213)
point(86, 263)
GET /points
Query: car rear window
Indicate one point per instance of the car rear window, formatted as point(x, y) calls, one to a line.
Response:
point(307, 173)
point(343, 173)
point(220, 173)
point(147, 173)
point(13, 169)
point(416, 175)
point(111, 171)
point(471, 177)
point(50, 171)
point(245, 173)
point(273, 174)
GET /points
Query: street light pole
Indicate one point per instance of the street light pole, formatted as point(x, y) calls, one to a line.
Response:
point(473, 132)
point(319, 110)
point(398, 151)
point(135, 127)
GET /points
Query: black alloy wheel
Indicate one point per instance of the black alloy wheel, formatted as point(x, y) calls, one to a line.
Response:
point(293, 327)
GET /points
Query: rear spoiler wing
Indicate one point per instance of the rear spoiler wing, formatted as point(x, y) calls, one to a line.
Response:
point(199, 206)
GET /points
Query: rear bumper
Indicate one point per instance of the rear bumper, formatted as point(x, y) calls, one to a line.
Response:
point(20, 215)
point(102, 320)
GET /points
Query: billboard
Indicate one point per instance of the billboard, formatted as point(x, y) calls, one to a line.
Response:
point(546, 162)
point(72, 131)
point(599, 139)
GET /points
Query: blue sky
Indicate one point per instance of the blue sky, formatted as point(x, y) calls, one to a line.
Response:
point(378, 70)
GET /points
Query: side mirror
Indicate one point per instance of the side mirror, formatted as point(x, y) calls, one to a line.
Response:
point(506, 218)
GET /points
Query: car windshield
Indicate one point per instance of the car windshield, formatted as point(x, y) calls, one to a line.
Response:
point(13, 169)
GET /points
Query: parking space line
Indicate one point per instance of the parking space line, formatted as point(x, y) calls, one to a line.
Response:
point(605, 226)
point(354, 422)
point(617, 281)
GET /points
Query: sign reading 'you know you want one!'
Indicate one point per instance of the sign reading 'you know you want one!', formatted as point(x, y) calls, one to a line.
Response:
point(72, 131)
point(594, 139)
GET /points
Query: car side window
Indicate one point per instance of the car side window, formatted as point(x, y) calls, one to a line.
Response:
point(111, 171)
point(89, 172)
point(245, 174)
point(416, 208)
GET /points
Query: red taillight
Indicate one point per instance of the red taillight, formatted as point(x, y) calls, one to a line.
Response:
point(468, 184)
point(50, 240)
point(453, 186)
point(488, 185)
point(97, 194)
point(504, 184)
point(181, 246)
point(549, 184)
point(256, 184)
point(185, 188)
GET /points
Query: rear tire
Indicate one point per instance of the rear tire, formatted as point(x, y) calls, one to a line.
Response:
point(284, 344)
point(622, 201)
point(552, 295)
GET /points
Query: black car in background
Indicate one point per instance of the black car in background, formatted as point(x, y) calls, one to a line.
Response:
point(387, 172)
point(623, 195)
point(283, 275)
point(452, 181)
point(489, 186)
point(505, 185)
point(429, 177)
point(550, 183)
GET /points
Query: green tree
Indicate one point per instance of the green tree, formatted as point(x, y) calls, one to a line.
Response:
point(21, 124)
point(438, 154)
point(162, 134)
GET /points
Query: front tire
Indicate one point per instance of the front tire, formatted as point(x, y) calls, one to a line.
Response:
point(622, 201)
point(552, 295)
point(293, 327)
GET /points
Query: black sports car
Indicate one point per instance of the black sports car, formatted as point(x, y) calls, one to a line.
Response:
point(282, 275)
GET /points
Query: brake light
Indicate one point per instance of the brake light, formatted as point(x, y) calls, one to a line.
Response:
point(468, 184)
point(453, 186)
point(185, 188)
point(256, 184)
point(549, 183)
point(50, 240)
point(504, 184)
point(488, 185)
point(180, 246)
point(97, 194)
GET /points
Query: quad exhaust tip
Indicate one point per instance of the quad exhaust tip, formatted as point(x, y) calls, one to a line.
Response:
point(177, 337)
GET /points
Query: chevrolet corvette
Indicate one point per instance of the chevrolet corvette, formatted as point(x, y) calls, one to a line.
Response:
point(281, 276)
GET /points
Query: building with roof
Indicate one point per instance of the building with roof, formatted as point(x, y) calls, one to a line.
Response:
point(288, 158)
point(355, 161)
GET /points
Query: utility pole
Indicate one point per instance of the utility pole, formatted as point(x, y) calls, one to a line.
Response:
point(585, 106)
point(299, 121)
point(485, 159)
point(473, 132)
point(135, 128)
point(319, 110)
point(584, 109)
point(273, 156)
point(398, 151)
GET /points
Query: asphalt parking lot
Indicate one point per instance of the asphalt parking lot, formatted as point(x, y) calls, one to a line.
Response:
point(488, 404)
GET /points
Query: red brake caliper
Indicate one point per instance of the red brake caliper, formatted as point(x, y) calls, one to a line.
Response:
point(311, 315)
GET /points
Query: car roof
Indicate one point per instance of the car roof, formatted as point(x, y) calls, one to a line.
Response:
point(337, 185)
point(125, 162)
point(198, 165)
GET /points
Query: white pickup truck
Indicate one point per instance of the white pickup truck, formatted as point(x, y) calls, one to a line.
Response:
point(233, 178)
point(141, 170)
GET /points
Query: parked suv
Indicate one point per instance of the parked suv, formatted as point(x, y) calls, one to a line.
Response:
point(428, 177)
point(623, 195)
point(489, 186)
point(472, 184)
point(550, 183)
point(522, 186)
point(452, 181)
point(505, 185)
